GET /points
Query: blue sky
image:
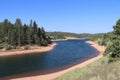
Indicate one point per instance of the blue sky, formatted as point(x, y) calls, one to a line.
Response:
point(78, 16)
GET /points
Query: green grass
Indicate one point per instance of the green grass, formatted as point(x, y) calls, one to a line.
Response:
point(99, 70)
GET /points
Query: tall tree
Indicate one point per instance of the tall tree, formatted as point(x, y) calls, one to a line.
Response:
point(43, 32)
point(115, 47)
point(30, 32)
point(18, 25)
point(39, 32)
point(5, 29)
point(25, 34)
point(19, 35)
point(35, 30)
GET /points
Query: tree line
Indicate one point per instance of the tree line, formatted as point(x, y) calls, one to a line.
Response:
point(19, 34)
point(63, 35)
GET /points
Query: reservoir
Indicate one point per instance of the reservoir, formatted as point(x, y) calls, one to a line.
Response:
point(65, 54)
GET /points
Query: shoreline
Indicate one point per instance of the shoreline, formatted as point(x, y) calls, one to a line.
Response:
point(59, 73)
point(101, 49)
point(29, 51)
point(67, 38)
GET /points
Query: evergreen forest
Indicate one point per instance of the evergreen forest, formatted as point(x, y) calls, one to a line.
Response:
point(17, 34)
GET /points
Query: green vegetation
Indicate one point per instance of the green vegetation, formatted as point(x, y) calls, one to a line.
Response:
point(107, 68)
point(103, 39)
point(114, 48)
point(18, 34)
point(111, 41)
point(63, 35)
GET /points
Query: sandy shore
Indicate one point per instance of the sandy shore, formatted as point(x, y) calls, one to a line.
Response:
point(36, 49)
point(56, 74)
point(101, 49)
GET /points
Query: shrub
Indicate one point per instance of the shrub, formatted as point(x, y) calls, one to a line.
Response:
point(44, 43)
point(26, 47)
point(107, 50)
point(8, 47)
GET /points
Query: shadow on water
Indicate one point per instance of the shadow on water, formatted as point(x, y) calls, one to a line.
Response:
point(64, 55)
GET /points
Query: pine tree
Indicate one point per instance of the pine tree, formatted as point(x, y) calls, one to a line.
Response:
point(18, 25)
point(115, 47)
point(35, 36)
point(19, 35)
point(10, 32)
point(13, 37)
point(4, 30)
point(25, 34)
point(39, 32)
point(43, 33)
point(30, 32)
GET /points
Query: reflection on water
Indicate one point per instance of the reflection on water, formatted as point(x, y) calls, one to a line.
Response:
point(64, 54)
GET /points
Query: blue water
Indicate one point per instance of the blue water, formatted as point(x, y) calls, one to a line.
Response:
point(65, 54)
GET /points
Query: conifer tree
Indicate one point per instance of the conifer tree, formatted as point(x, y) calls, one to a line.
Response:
point(30, 32)
point(35, 30)
point(115, 47)
point(18, 25)
point(19, 35)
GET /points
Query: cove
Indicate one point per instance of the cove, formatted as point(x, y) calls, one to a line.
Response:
point(65, 54)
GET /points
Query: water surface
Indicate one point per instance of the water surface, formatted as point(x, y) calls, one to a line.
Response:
point(66, 53)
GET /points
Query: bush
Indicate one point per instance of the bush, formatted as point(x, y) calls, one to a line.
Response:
point(14, 47)
point(26, 47)
point(108, 50)
point(8, 47)
point(115, 51)
point(44, 43)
